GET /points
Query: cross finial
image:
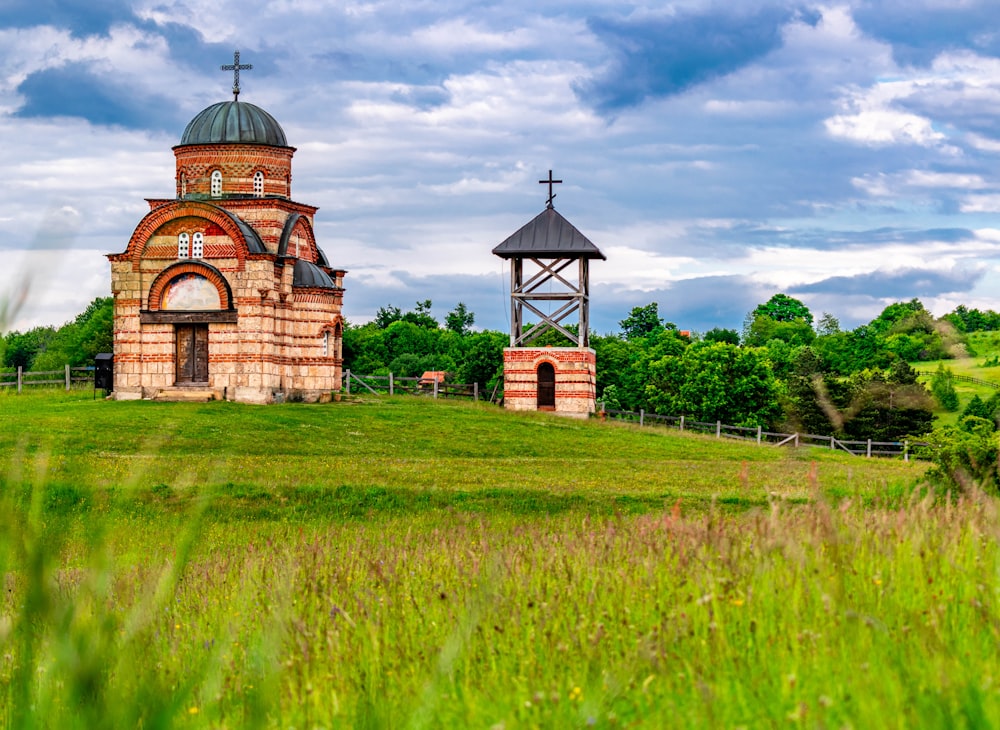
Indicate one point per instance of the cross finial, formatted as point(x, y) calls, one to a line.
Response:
point(550, 182)
point(235, 67)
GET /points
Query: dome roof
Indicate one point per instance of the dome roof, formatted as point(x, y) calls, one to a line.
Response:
point(234, 122)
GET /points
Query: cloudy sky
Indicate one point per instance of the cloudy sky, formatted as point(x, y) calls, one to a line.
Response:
point(845, 153)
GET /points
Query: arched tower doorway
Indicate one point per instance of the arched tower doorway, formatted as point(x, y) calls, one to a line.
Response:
point(546, 386)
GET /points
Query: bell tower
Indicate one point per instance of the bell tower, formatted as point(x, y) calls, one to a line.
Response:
point(549, 282)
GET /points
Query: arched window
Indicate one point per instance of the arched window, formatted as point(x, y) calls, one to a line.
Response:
point(258, 184)
point(326, 343)
point(216, 183)
point(182, 246)
point(198, 246)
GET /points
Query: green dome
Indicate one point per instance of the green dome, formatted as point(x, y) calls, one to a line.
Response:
point(234, 122)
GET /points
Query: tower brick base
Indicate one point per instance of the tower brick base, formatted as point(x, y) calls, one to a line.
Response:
point(575, 379)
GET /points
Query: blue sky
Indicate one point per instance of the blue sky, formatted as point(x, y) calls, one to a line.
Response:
point(717, 152)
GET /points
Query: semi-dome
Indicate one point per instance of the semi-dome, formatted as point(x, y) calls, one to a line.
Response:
point(234, 122)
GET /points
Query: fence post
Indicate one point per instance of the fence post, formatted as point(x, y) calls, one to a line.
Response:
point(435, 386)
point(391, 388)
point(348, 379)
point(718, 429)
point(642, 417)
point(682, 423)
point(759, 430)
point(475, 392)
point(869, 455)
point(831, 443)
point(67, 377)
point(20, 375)
point(796, 439)
point(906, 451)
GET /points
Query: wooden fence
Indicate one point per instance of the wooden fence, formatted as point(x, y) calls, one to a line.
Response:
point(394, 385)
point(67, 376)
point(963, 379)
point(867, 448)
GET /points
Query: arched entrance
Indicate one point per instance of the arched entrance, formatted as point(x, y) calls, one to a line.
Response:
point(546, 387)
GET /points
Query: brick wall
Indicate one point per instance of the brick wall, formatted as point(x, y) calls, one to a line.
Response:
point(575, 371)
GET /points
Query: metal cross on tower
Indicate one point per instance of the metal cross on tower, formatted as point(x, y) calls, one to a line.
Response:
point(235, 67)
point(550, 182)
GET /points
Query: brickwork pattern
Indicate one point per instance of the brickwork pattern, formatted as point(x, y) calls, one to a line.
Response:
point(576, 378)
point(285, 339)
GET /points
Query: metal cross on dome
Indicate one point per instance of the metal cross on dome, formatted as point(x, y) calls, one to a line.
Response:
point(550, 182)
point(235, 67)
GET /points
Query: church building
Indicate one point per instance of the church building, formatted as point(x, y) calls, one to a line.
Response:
point(222, 290)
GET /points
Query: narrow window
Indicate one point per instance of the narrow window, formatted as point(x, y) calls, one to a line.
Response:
point(184, 185)
point(198, 246)
point(216, 183)
point(258, 184)
point(326, 344)
point(182, 246)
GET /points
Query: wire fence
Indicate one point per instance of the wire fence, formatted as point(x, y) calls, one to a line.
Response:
point(867, 448)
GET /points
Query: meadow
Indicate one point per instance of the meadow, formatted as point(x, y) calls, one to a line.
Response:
point(414, 563)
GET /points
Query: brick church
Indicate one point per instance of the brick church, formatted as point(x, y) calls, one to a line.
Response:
point(222, 291)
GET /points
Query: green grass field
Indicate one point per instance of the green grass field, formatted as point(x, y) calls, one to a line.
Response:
point(414, 563)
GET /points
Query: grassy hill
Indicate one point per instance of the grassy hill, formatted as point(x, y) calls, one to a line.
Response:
point(983, 365)
point(401, 456)
point(411, 563)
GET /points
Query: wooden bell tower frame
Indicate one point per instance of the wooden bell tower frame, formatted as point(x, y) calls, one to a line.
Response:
point(558, 259)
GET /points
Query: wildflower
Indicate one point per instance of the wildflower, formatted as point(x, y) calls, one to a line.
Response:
point(192, 710)
point(575, 694)
point(737, 601)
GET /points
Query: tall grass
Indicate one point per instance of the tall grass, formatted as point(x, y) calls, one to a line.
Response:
point(828, 615)
point(452, 566)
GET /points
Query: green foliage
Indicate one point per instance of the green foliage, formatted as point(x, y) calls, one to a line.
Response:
point(783, 308)
point(966, 456)
point(943, 388)
point(717, 334)
point(409, 344)
point(779, 318)
point(987, 409)
point(715, 381)
point(827, 325)
point(75, 343)
point(21, 348)
point(460, 320)
point(973, 320)
point(421, 316)
point(642, 322)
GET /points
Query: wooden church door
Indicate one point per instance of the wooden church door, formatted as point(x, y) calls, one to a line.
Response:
point(546, 386)
point(192, 353)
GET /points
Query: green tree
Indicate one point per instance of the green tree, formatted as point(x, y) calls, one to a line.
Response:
point(722, 335)
point(482, 359)
point(827, 325)
point(716, 381)
point(421, 316)
point(779, 318)
point(641, 322)
point(387, 315)
point(459, 320)
point(943, 388)
point(966, 456)
point(783, 308)
point(21, 348)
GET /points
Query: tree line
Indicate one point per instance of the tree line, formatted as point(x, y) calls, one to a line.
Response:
point(784, 370)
